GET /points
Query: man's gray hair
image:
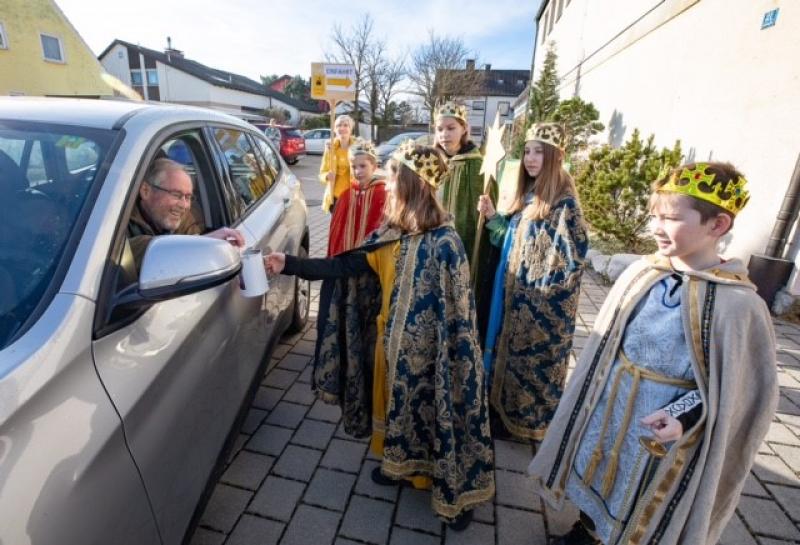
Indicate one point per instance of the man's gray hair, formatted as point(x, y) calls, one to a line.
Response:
point(159, 170)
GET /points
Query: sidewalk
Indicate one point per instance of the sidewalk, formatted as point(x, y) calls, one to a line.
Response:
point(295, 478)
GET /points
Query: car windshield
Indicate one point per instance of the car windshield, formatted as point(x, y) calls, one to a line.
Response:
point(293, 133)
point(402, 137)
point(46, 173)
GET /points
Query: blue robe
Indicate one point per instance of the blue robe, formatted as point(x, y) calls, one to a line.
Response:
point(532, 317)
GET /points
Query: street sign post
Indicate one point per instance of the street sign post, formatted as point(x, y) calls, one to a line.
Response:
point(332, 82)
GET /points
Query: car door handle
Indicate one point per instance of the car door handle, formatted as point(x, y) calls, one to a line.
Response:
point(286, 202)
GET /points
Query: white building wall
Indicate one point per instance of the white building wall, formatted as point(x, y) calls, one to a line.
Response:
point(480, 119)
point(700, 71)
point(116, 64)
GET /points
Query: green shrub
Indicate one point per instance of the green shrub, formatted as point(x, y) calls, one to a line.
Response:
point(614, 188)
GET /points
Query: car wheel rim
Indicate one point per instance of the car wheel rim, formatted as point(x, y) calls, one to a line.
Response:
point(303, 290)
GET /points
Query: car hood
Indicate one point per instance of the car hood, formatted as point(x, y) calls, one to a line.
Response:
point(385, 148)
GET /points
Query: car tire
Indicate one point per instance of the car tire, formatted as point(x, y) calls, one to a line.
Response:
point(302, 300)
point(293, 161)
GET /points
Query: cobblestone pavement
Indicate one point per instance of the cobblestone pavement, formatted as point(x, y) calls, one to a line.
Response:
point(295, 478)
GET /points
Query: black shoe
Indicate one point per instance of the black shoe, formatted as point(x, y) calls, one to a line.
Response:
point(381, 479)
point(578, 535)
point(461, 522)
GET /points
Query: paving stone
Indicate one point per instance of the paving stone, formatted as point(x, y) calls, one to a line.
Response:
point(252, 530)
point(314, 434)
point(280, 351)
point(224, 507)
point(754, 488)
point(341, 434)
point(484, 512)
point(345, 541)
point(367, 520)
point(401, 536)
point(204, 536)
point(736, 533)
point(785, 406)
point(277, 498)
point(520, 527)
point(238, 444)
point(344, 455)
point(305, 376)
point(294, 362)
point(311, 526)
point(780, 433)
point(365, 486)
point(516, 491)
point(771, 469)
point(286, 414)
point(248, 470)
point(325, 411)
point(253, 420)
point(267, 398)
point(280, 378)
point(300, 393)
point(770, 541)
point(330, 489)
point(476, 533)
point(414, 511)
point(789, 498)
point(560, 522)
point(310, 335)
point(765, 517)
point(790, 455)
point(512, 455)
point(269, 440)
point(304, 347)
point(297, 463)
point(791, 421)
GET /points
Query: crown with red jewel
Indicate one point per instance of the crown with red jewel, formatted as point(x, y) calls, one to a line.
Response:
point(698, 182)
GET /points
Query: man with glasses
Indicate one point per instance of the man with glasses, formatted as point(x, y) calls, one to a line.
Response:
point(163, 208)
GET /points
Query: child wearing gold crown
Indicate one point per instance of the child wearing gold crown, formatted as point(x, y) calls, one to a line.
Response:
point(536, 288)
point(675, 389)
point(460, 191)
point(397, 345)
point(360, 208)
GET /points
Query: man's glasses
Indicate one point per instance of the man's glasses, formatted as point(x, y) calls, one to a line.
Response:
point(177, 195)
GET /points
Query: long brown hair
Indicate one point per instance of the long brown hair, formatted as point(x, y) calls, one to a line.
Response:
point(413, 207)
point(551, 185)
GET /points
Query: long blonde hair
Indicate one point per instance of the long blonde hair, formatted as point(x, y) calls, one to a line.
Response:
point(551, 185)
point(413, 207)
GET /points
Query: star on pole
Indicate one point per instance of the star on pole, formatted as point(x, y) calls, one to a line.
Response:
point(494, 151)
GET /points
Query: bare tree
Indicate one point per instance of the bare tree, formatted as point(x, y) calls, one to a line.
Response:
point(393, 73)
point(373, 68)
point(383, 77)
point(353, 48)
point(439, 71)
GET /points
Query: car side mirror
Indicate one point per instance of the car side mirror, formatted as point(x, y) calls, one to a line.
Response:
point(177, 265)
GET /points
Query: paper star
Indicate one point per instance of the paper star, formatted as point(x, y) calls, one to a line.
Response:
point(494, 151)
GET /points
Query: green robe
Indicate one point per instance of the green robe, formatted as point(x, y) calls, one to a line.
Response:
point(462, 186)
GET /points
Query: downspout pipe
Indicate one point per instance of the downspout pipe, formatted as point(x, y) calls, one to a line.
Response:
point(786, 216)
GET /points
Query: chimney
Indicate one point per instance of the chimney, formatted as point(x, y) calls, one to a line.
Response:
point(488, 66)
point(470, 64)
point(170, 51)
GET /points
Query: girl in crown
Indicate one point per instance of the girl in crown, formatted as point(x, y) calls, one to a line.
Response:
point(536, 288)
point(334, 170)
point(407, 370)
point(360, 208)
point(676, 386)
point(460, 191)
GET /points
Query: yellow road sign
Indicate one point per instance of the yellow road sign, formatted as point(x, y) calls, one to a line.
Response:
point(333, 81)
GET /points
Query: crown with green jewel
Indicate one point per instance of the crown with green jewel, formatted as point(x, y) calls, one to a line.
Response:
point(698, 182)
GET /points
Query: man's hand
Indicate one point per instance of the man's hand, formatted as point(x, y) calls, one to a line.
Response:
point(231, 235)
point(274, 262)
point(665, 428)
point(486, 207)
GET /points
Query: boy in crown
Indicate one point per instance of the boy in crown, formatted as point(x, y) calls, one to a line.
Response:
point(359, 209)
point(676, 386)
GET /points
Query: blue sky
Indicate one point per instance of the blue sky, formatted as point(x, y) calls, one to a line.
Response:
point(253, 37)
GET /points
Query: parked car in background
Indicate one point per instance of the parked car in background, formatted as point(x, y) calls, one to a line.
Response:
point(120, 388)
point(288, 140)
point(386, 149)
point(316, 140)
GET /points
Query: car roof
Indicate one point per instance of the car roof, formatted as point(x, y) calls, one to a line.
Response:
point(99, 114)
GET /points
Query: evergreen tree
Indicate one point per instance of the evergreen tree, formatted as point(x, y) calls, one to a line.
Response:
point(614, 188)
point(580, 121)
point(544, 96)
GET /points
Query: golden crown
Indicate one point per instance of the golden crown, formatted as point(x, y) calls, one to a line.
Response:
point(730, 195)
point(362, 147)
point(452, 109)
point(427, 165)
point(549, 133)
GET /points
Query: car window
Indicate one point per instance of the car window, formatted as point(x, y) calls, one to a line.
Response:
point(270, 164)
point(402, 137)
point(293, 133)
point(242, 161)
point(45, 198)
point(312, 135)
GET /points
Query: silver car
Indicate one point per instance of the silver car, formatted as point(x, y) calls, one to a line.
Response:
point(120, 389)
